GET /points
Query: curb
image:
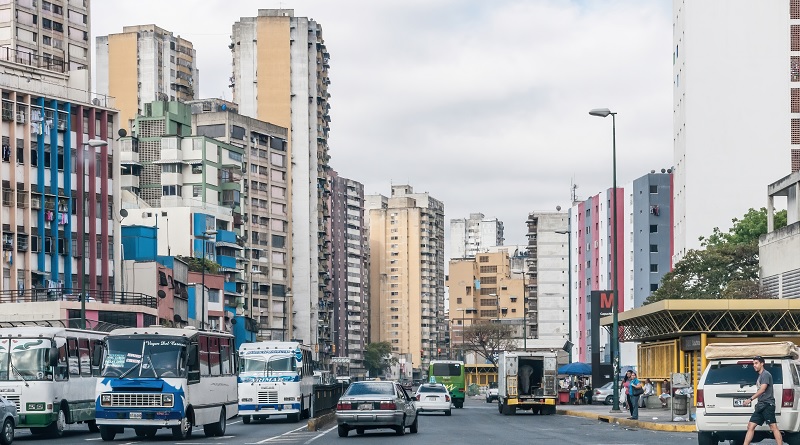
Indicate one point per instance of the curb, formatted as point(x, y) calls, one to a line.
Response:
point(318, 422)
point(679, 428)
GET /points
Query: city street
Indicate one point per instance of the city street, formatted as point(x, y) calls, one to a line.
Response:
point(477, 423)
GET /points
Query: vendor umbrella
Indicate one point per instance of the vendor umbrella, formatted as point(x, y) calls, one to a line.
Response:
point(576, 368)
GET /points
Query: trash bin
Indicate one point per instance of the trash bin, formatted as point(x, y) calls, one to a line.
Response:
point(680, 404)
point(563, 397)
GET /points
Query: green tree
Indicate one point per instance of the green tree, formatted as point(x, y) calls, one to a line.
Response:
point(489, 339)
point(726, 267)
point(196, 264)
point(378, 358)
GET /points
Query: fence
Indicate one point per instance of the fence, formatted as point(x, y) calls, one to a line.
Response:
point(92, 296)
point(326, 397)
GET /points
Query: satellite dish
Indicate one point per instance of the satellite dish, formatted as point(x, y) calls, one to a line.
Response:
point(95, 101)
point(223, 107)
point(122, 133)
point(558, 208)
point(663, 170)
point(123, 213)
point(233, 321)
point(162, 294)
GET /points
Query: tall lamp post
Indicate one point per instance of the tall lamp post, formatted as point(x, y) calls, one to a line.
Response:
point(605, 112)
point(569, 285)
point(208, 234)
point(94, 144)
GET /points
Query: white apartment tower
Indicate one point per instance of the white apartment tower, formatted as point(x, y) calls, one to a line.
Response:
point(472, 235)
point(736, 108)
point(280, 75)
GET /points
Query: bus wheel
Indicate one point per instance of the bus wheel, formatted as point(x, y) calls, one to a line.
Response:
point(459, 403)
point(139, 432)
point(92, 426)
point(107, 433)
point(246, 420)
point(295, 417)
point(56, 429)
point(218, 428)
point(7, 433)
point(184, 430)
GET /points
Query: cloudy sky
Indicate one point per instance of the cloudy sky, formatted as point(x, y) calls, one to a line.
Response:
point(481, 103)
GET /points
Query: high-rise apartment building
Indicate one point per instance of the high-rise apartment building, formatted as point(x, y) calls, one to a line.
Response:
point(280, 75)
point(547, 285)
point(50, 36)
point(145, 63)
point(724, 156)
point(485, 289)
point(265, 233)
point(406, 244)
point(350, 272)
point(471, 235)
point(644, 222)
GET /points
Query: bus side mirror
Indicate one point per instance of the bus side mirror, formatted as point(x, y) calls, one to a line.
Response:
point(97, 357)
point(52, 356)
point(192, 356)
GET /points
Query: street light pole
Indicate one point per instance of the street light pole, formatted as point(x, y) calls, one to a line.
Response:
point(569, 283)
point(94, 143)
point(605, 112)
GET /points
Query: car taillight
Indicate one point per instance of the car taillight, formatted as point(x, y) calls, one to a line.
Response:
point(343, 406)
point(701, 402)
point(788, 398)
point(597, 392)
point(418, 396)
point(446, 398)
point(388, 405)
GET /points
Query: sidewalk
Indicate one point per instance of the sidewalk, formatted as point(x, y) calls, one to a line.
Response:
point(650, 419)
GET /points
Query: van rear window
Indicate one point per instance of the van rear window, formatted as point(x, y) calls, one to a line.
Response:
point(740, 374)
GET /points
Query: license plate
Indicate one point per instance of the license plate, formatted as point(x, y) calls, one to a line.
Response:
point(739, 402)
point(431, 398)
point(365, 406)
point(135, 415)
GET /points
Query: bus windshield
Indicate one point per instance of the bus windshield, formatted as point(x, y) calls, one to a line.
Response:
point(25, 359)
point(268, 363)
point(145, 357)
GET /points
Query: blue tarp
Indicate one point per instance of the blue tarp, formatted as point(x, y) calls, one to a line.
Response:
point(576, 368)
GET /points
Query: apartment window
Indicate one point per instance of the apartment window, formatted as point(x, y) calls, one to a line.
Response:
point(653, 248)
point(653, 287)
point(795, 45)
point(458, 300)
point(484, 259)
point(795, 100)
point(488, 269)
point(653, 189)
point(654, 268)
point(653, 228)
point(171, 190)
point(197, 191)
point(171, 168)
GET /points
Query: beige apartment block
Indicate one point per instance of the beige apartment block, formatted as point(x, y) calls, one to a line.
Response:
point(480, 288)
point(406, 238)
point(145, 63)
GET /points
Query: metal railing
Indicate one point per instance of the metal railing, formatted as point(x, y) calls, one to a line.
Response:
point(26, 58)
point(63, 294)
point(75, 323)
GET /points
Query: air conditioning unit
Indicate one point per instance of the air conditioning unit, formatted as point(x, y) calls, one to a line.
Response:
point(21, 117)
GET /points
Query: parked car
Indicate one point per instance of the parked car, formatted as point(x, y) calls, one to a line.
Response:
point(729, 381)
point(605, 394)
point(376, 404)
point(491, 393)
point(9, 419)
point(433, 397)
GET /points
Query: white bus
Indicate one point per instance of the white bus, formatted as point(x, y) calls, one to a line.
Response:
point(47, 372)
point(275, 377)
point(171, 378)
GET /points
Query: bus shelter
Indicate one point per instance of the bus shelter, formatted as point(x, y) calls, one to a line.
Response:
point(480, 374)
point(672, 334)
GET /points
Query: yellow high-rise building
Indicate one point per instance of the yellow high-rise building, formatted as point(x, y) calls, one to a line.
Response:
point(406, 240)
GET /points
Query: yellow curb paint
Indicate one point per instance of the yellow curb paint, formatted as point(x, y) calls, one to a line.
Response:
point(679, 428)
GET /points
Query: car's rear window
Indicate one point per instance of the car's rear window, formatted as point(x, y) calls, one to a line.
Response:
point(363, 388)
point(740, 374)
point(432, 389)
point(446, 369)
point(493, 385)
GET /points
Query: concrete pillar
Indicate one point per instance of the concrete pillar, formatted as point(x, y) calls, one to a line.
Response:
point(770, 214)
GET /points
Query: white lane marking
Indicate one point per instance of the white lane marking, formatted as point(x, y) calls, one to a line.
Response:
point(95, 438)
point(320, 435)
point(234, 423)
point(270, 439)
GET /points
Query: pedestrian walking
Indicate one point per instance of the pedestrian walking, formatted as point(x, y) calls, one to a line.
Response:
point(764, 410)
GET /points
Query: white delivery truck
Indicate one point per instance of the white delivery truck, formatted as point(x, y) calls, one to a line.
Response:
point(527, 380)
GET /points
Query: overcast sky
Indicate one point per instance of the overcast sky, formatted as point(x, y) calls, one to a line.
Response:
point(483, 104)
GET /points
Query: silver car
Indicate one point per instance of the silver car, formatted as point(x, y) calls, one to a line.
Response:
point(376, 404)
point(605, 394)
point(8, 417)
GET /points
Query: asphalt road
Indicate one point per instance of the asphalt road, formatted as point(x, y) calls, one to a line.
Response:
point(478, 423)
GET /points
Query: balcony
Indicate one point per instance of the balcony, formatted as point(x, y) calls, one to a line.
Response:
point(226, 238)
point(73, 295)
point(227, 262)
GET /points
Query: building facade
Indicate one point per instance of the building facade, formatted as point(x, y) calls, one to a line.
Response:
point(547, 285)
point(406, 244)
point(779, 264)
point(707, 117)
point(350, 272)
point(472, 235)
point(145, 63)
point(280, 75)
point(265, 233)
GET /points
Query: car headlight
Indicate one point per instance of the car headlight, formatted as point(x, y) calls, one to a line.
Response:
point(105, 399)
point(168, 399)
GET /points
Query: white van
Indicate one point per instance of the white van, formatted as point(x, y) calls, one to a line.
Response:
point(729, 380)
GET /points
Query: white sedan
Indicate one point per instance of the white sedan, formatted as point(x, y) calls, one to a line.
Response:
point(433, 397)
